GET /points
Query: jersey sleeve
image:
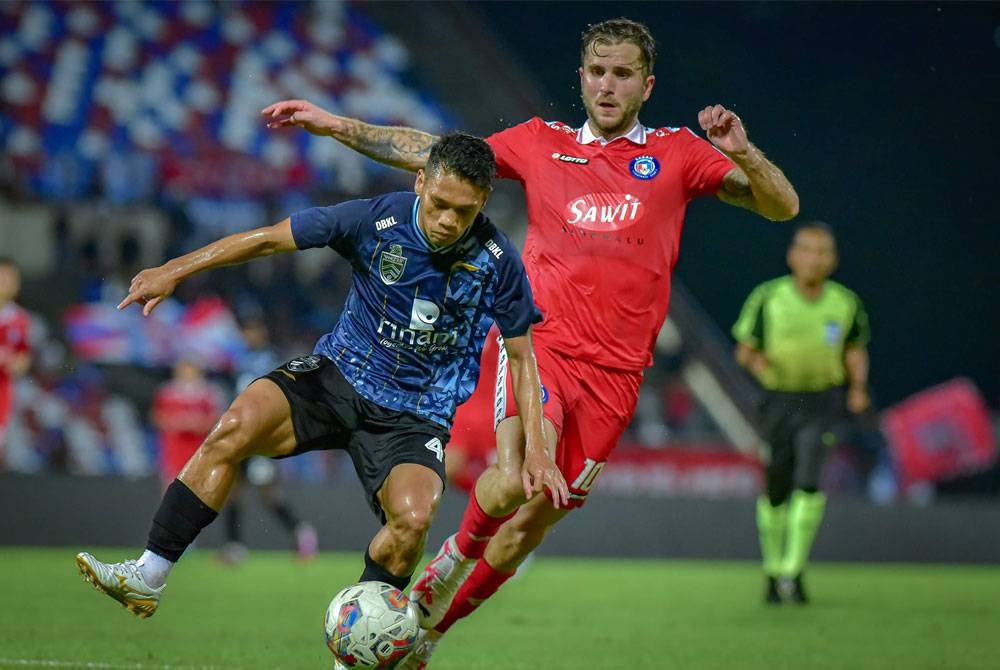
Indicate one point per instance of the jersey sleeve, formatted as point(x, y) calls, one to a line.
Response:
point(704, 167)
point(336, 226)
point(510, 147)
point(514, 308)
point(749, 327)
point(859, 333)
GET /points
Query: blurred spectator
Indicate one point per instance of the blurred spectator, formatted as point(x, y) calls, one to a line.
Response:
point(184, 411)
point(15, 350)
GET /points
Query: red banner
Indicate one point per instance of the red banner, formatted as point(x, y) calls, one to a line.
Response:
point(709, 471)
point(940, 433)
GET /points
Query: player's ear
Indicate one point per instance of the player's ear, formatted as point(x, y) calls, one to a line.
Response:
point(418, 186)
point(648, 88)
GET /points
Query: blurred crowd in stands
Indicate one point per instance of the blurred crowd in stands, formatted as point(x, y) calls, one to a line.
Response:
point(131, 134)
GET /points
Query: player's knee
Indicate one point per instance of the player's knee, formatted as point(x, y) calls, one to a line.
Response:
point(412, 518)
point(229, 437)
point(510, 489)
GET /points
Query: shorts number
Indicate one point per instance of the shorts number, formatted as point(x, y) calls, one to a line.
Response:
point(585, 480)
point(434, 444)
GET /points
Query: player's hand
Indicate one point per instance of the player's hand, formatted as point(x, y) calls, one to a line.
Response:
point(539, 472)
point(858, 399)
point(303, 114)
point(149, 288)
point(724, 129)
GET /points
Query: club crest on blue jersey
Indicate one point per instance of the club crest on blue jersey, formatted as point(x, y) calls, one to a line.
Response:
point(644, 167)
point(391, 264)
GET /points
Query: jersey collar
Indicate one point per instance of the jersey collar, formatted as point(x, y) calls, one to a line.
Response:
point(636, 135)
point(426, 240)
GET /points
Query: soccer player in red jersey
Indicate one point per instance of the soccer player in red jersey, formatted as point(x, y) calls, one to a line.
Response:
point(606, 203)
point(184, 411)
point(15, 349)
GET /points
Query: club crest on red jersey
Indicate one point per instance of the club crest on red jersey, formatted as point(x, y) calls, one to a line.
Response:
point(644, 167)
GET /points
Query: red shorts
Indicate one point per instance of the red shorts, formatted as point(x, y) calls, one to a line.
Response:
point(473, 431)
point(590, 407)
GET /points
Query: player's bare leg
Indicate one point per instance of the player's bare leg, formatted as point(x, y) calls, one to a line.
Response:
point(513, 542)
point(258, 421)
point(409, 497)
point(497, 495)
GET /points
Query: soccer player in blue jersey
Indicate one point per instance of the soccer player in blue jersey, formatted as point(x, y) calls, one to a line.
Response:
point(430, 274)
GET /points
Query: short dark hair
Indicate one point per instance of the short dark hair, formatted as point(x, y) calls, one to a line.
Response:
point(821, 226)
point(7, 261)
point(464, 156)
point(616, 31)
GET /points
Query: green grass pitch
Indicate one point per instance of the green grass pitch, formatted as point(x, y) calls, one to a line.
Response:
point(560, 614)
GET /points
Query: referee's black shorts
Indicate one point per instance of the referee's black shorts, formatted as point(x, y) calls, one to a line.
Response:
point(327, 413)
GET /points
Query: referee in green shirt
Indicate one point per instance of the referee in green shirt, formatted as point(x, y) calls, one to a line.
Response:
point(804, 337)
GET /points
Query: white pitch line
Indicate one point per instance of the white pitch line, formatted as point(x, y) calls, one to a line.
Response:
point(97, 665)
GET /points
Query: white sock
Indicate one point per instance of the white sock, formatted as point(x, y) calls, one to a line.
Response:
point(154, 568)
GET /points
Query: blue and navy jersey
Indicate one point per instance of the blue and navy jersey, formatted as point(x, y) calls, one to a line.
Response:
point(416, 317)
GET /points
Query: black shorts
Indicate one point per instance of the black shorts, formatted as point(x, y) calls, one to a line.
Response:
point(327, 413)
point(796, 425)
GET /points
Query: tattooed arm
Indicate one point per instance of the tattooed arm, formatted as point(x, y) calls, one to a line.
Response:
point(400, 147)
point(755, 183)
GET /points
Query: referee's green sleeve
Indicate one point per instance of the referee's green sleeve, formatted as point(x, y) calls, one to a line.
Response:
point(749, 327)
point(859, 333)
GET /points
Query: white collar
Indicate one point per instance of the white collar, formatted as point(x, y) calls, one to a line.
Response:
point(637, 134)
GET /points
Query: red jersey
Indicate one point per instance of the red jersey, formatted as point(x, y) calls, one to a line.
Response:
point(15, 325)
point(184, 412)
point(604, 229)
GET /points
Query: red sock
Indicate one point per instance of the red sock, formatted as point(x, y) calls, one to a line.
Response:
point(482, 583)
point(476, 529)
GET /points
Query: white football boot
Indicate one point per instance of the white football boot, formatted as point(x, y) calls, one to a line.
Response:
point(421, 654)
point(440, 580)
point(123, 582)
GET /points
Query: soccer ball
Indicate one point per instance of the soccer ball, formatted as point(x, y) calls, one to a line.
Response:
point(370, 625)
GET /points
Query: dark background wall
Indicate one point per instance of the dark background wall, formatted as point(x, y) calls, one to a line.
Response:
point(884, 117)
point(82, 512)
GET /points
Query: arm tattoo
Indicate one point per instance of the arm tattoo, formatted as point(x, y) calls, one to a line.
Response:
point(759, 185)
point(400, 147)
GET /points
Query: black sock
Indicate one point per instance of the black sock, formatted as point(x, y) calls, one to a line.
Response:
point(178, 521)
point(233, 513)
point(376, 573)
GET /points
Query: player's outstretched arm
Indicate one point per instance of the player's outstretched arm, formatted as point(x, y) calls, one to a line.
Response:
point(151, 287)
point(756, 183)
point(405, 148)
point(539, 470)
